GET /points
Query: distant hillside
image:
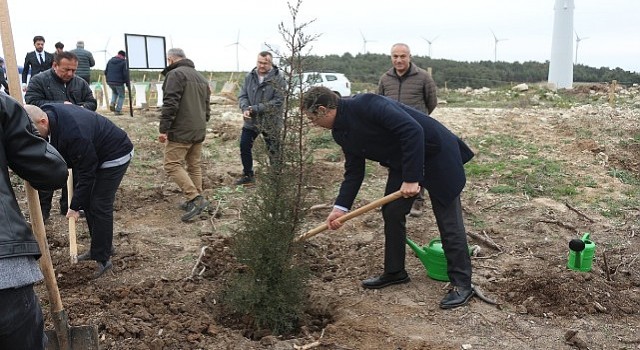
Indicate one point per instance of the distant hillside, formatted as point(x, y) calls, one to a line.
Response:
point(368, 68)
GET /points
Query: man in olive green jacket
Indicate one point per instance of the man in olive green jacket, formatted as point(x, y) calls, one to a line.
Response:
point(409, 84)
point(185, 113)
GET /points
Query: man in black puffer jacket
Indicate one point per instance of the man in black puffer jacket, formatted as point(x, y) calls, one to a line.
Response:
point(33, 159)
point(99, 152)
point(59, 85)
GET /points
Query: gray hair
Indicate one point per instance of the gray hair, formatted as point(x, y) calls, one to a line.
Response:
point(176, 52)
point(35, 113)
point(402, 45)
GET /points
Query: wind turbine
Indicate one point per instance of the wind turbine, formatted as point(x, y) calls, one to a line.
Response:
point(237, 44)
point(495, 48)
point(364, 43)
point(105, 50)
point(578, 40)
point(430, 42)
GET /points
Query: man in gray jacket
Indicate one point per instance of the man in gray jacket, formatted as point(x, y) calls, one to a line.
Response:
point(409, 84)
point(85, 61)
point(261, 99)
point(185, 113)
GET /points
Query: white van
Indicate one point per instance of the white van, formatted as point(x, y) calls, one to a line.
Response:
point(337, 82)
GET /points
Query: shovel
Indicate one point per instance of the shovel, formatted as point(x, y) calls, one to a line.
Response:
point(350, 215)
point(73, 245)
point(63, 337)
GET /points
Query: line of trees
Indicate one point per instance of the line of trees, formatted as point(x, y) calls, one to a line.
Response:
point(367, 68)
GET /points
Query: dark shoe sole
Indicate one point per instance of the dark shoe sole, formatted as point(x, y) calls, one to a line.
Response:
point(84, 257)
point(103, 269)
point(197, 211)
point(463, 303)
point(386, 284)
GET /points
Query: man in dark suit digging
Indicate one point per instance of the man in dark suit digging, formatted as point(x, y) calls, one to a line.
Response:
point(418, 151)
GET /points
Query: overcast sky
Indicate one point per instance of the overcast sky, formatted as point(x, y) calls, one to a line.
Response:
point(462, 29)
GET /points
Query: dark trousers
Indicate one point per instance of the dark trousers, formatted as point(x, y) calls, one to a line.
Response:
point(46, 197)
point(247, 137)
point(99, 214)
point(21, 321)
point(450, 225)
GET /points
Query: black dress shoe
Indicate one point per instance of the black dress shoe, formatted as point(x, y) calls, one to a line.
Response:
point(85, 256)
point(103, 266)
point(386, 279)
point(457, 296)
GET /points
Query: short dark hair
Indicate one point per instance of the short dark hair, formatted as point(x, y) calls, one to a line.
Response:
point(319, 96)
point(122, 53)
point(266, 54)
point(38, 38)
point(64, 54)
point(59, 45)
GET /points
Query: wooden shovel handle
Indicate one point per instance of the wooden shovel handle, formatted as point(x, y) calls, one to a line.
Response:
point(73, 245)
point(352, 214)
point(37, 224)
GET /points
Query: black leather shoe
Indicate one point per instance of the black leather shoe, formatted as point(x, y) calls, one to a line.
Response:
point(457, 296)
point(102, 268)
point(386, 279)
point(84, 257)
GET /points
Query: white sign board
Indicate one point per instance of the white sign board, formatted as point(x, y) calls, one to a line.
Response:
point(146, 51)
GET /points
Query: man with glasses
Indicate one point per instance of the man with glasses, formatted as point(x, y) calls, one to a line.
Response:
point(418, 151)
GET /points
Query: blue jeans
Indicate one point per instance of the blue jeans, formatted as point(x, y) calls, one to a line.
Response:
point(117, 96)
point(21, 321)
point(247, 138)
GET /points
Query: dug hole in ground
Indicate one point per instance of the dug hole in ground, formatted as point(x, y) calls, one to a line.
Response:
point(149, 301)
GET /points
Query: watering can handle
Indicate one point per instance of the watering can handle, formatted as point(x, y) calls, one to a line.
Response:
point(352, 214)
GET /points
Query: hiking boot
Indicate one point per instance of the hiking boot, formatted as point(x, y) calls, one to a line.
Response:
point(245, 180)
point(196, 206)
point(117, 113)
point(186, 206)
point(112, 108)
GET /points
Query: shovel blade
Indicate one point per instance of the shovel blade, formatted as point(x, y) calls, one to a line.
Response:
point(80, 338)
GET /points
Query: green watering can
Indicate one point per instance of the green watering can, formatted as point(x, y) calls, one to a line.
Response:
point(581, 253)
point(432, 257)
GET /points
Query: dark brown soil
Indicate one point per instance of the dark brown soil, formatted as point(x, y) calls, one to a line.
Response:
point(158, 298)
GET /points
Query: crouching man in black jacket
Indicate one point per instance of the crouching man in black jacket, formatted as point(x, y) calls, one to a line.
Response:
point(33, 159)
point(99, 152)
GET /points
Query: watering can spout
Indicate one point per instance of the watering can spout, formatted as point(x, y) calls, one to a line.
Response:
point(420, 252)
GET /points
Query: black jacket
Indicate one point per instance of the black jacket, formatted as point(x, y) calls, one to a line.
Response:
point(377, 128)
point(31, 60)
point(34, 160)
point(86, 140)
point(116, 71)
point(48, 88)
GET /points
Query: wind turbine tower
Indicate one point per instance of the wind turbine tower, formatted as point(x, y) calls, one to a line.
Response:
point(364, 43)
point(578, 40)
point(495, 47)
point(430, 42)
point(237, 44)
point(561, 63)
